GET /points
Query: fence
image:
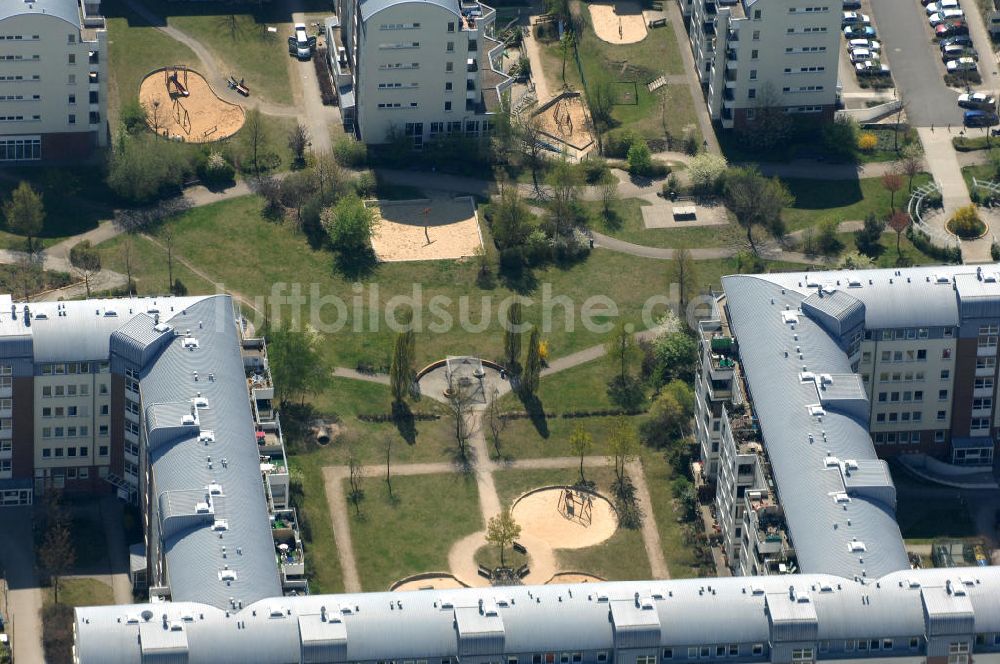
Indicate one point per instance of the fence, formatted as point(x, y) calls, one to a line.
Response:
point(915, 208)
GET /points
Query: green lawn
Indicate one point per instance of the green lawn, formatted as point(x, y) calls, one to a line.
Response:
point(239, 41)
point(888, 257)
point(135, 49)
point(625, 223)
point(82, 592)
point(817, 201)
point(654, 56)
point(237, 247)
point(149, 267)
point(412, 532)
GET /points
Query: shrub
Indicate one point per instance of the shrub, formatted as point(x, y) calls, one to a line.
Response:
point(705, 172)
point(923, 244)
point(366, 184)
point(593, 169)
point(145, 168)
point(349, 152)
point(995, 251)
point(133, 116)
point(841, 138)
point(640, 159)
point(966, 223)
point(867, 141)
point(867, 239)
point(617, 143)
point(215, 170)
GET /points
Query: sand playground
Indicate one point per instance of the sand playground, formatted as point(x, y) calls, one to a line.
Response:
point(620, 23)
point(564, 119)
point(180, 103)
point(564, 518)
point(426, 229)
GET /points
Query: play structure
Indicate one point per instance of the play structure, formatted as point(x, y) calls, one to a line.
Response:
point(576, 506)
point(565, 125)
point(425, 229)
point(181, 105)
point(565, 517)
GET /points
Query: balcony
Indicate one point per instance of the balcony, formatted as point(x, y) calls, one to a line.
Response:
point(269, 438)
point(289, 554)
point(274, 472)
point(986, 351)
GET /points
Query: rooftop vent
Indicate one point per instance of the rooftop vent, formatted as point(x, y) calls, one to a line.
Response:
point(220, 525)
point(131, 620)
point(856, 546)
point(831, 461)
point(110, 314)
point(816, 410)
point(851, 464)
point(187, 420)
point(215, 489)
point(854, 283)
point(941, 279)
point(190, 343)
point(789, 317)
point(206, 436)
point(277, 611)
point(161, 328)
point(41, 316)
point(200, 402)
point(201, 508)
point(227, 575)
point(841, 498)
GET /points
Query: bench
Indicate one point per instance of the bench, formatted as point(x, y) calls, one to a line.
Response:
point(685, 212)
point(658, 23)
point(519, 548)
point(485, 573)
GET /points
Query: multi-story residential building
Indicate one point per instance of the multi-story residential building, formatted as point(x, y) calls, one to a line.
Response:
point(752, 54)
point(902, 358)
point(420, 68)
point(164, 402)
point(53, 79)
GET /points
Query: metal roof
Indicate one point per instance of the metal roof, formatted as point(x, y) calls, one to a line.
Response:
point(371, 7)
point(552, 618)
point(775, 354)
point(65, 9)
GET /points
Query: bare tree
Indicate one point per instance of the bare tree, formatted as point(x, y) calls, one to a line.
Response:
point(354, 477)
point(682, 271)
point(387, 445)
point(529, 131)
point(298, 141)
point(86, 260)
point(154, 116)
point(127, 252)
point(496, 419)
point(911, 162)
point(28, 276)
point(253, 127)
point(460, 403)
point(609, 192)
point(167, 236)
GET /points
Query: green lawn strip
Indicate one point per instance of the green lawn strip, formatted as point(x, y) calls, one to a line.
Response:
point(149, 267)
point(888, 257)
point(978, 171)
point(413, 531)
point(242, 46)
point(225, 240)
point(50, 279)
point(677, 553)
point(322, 562)
point(817, 201)
point(135, 49)
point(625, 223)
point(489, 556)
point(81, 591)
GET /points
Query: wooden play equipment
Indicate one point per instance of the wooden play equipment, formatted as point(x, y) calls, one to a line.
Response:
point(239, 86)
point(182, 116)
point(171, 78)
point(576, 506)
point(563, 120)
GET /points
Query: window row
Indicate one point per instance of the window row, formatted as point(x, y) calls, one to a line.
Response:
point(399, 26)
point(72, 411)
point(909, 355)
point(805, 49)
point(807, 10)
point(82, 390)
point(20, 37)
point(905, 416)
point(20, 98)
point(69, 432)
point(61, 368)
point(60, 452)
point(19, 118)
point(901, 437)
point(803, 88)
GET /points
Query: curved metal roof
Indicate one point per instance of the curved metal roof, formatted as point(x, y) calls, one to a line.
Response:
point(67, 10)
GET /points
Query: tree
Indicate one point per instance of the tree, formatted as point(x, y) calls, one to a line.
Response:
point(512, 335)
point(496, 419)
point(167, 236)
point(532, 365)
point(329, 176)
point(528, 129)
point(28, 276)
point(133, 116)
point(57, 554)
point(298, 142)
point(911, 162)
point(298, 366)
point(86, 260)
point(25, 212)
point(892, 182)
point(675, 355)
point(622, 348)
point(899, 222)
point(682, 272)
point(502, 531)
point(601, 99)
point(509, 222)
point(354, 477)
point(387, 446)
point(349, 224)
point(609, 192)
point(566, 45)
point(771, 125)
point(705, 172)
point(558, 8)
point(756, 201)
point(640, 160)
point(581, 443)
point(254, 133)
point(460, 403)
point(670, 413)
point(565, 182)
point(401, 373)
point(296, 190)
point(868, 238)
point(127, 251)
point(623, 446)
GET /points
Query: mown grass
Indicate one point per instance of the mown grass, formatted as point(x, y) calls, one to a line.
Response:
point(817, 201)
point(81, 591)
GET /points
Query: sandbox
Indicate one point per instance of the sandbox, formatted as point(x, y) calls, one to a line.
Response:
point(426, 229)
point(574, 577)
point(565, 125)
point(619, 23)
point(429, 581)
point(180, 103)
point(565, 518)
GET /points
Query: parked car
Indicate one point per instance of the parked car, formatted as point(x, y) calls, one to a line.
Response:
point(940, 6)
point(951, 28)
point(938, 18)
point(852, 5)
point(861, 54)
point(977, 100)
point(854, 18)
point(961, 40)
point(927, 2)
point(859, 32)
point(956, 51)
point(980, 119)
point(871, 68)
point(961, 64)
point(301, 45)
point(870, 44)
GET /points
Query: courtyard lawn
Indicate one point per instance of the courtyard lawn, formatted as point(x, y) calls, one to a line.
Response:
point(81, 591)
point(135, 49)
point(240, 43)
point(232, 243)
point(817, 201)
point(413, 531)
point(149, 267)
point(888, 257)
point(625, 223)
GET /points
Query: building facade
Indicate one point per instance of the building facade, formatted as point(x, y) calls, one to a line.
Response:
point(870, 364)
point(755, 54)
point(53, 80)
point(423, 69)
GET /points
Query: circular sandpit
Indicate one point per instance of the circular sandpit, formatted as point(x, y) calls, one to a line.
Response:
point(181, 104)
point(429, 581)
point(574, 577)
point(565, 518)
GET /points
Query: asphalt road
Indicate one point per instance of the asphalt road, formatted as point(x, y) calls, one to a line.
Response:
point(916, 63)
point(24, 593)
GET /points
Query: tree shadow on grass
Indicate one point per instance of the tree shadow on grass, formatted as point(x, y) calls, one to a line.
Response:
point(611, 220)
point(405, 423)
point(536, 413)
point(355, 265)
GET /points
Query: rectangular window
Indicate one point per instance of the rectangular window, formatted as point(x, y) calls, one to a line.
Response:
point(71, 59)
point(645, 659)
point(942, 395)
point(758, 649)
point(720, 651)
point(692, 653)
point(451, 26)
point(102, 450)
point(46, 452)
point(668, 653)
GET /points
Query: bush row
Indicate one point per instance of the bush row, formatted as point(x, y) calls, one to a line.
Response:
point(389, 417)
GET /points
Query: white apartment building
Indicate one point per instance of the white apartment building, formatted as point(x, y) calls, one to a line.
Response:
point(53, 79)
point(781, 53)
point(424, 68)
